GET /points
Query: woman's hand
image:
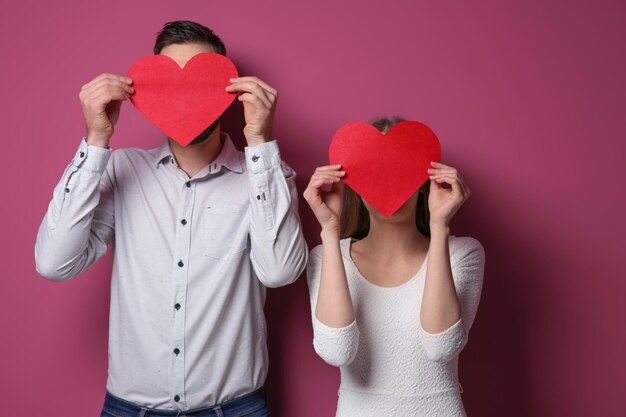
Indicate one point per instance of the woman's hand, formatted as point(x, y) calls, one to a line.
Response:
point(326, 205)
point(443, 202)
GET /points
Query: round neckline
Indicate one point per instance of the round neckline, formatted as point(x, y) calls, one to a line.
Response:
point(364, 278)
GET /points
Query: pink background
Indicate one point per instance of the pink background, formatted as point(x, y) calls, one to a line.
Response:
point(527, 97)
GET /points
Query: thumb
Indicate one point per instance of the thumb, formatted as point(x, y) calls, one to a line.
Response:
point(434, 185)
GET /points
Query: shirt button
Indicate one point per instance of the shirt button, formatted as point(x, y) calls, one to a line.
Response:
point(176, 351)
point(258, 197)
point(67, 190)
point(177, 306)
point(82, 154)
point(176, 398)
point(188, 184)
point(180, 263)
point(183, 222)
point(255, 158)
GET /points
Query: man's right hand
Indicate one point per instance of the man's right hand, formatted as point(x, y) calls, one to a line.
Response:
point(101, 99)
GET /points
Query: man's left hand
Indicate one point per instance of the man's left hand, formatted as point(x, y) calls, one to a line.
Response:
point(259, 103)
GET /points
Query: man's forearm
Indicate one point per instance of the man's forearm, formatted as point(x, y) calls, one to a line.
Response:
point(63, 247)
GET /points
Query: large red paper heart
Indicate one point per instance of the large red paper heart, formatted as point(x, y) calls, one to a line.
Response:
point(385, 169)
point(182, 102)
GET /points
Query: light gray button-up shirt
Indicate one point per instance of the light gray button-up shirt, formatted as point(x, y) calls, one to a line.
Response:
point(191, 260)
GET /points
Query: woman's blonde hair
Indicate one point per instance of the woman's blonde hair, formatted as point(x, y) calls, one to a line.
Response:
point(355, 219)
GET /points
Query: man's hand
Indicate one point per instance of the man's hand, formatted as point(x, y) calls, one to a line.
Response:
point(101, 99)
point(259, 103)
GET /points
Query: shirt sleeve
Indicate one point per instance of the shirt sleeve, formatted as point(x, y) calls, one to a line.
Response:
point(80, 220)
point(468, 263)
point(278, 249)
point(336, 346)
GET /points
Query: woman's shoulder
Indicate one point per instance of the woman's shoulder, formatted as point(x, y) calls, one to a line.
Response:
point(464, 246)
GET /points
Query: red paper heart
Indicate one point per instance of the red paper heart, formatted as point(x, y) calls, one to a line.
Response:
point(182, 102)
point(385, 169)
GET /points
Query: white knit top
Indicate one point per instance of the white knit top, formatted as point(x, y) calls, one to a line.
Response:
point(390, 366)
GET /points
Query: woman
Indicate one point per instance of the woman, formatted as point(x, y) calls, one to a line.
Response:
point(393, 299)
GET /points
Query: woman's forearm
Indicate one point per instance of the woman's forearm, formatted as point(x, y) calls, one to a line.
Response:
point(334, 304)
point(440, 304)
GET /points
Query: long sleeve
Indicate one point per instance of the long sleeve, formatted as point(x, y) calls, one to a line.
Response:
point(79, 222)
point(336, 346)
point(278, 251)
point(468, 261)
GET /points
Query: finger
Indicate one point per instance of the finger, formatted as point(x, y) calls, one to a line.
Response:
point(244, 86)
point(108, 92)
point(319, 180)
point(333, 174)
point(252, 88)
point(332, 186)
point(464, 187)
point(330, 171)
point(454, 175)
point(109, 83)
point(108, 76)
point(315, 187)
point(259, 81)
point(334, 167)
point(457, 191)
point(436, 164)
point(443, 179)
point(107, 95)
point(447, 170)
point(256, 101)
point(434, 185)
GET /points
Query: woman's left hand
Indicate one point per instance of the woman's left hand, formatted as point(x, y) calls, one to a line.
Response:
point(443, 202)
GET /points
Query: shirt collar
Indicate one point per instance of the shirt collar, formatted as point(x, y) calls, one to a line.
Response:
point(228, 157)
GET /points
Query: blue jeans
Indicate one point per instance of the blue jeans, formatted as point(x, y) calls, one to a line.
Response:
point(249, 405)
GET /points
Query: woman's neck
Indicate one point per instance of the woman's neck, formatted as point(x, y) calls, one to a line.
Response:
point(388, 240)
point(391, 254)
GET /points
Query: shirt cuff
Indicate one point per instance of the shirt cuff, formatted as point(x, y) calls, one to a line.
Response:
point(91, 158)
point(262, 157)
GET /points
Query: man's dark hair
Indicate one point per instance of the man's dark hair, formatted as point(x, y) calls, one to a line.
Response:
point(184, 31)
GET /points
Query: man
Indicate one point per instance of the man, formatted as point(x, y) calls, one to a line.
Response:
point(197, 234)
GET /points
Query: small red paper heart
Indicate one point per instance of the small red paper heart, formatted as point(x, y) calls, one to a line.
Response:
point(182, 102)
point(385, 169)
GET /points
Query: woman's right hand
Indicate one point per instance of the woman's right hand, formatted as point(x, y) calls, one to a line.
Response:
point(326, 205)
point(101, 100)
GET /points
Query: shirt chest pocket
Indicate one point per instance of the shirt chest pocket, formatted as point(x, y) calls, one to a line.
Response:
point(226, 231)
